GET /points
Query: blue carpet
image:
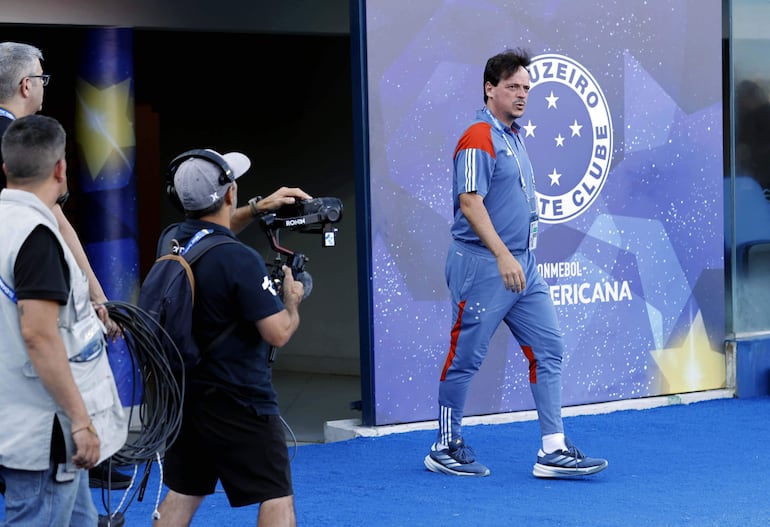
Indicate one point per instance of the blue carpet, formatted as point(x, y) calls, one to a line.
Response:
point(697, 465)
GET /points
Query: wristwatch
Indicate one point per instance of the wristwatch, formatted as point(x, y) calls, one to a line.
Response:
point(253, 205)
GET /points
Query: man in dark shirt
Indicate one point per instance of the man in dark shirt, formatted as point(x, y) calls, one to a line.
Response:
point(21, 84)
point(232, 431)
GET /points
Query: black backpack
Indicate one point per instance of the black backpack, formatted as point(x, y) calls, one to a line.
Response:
point(167, 297)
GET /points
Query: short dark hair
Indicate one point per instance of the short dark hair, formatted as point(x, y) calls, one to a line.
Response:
point(31, 146)
point(503, 65)
point(211, 209)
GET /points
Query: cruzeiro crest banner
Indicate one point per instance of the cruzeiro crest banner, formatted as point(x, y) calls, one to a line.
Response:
point(575, 137)
point(624, 129)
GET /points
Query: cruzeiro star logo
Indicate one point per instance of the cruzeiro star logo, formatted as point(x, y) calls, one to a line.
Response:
point(568, 131)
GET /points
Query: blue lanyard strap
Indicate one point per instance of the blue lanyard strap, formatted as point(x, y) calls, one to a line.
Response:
point(6, 113)
point(195, 239)
point(5, 288)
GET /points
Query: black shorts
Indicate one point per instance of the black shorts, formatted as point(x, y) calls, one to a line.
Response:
point(223, 440)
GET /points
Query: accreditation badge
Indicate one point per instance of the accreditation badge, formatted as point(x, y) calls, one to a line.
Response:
point(533, 233)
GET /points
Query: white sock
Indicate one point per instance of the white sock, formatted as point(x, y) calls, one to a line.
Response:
point(553, 442)
point(438, 446)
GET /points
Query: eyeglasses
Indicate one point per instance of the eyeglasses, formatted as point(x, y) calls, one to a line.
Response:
point(44, 78)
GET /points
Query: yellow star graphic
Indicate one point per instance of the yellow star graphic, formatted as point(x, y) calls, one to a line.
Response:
point(693, 366)
point(104, 123)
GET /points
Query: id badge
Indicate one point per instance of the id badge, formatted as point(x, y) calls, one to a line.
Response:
point(533, 234)
point(88, 338)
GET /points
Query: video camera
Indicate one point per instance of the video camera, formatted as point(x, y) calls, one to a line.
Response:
point(314, 216)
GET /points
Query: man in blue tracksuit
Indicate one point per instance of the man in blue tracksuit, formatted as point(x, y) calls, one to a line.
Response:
point(492, 277)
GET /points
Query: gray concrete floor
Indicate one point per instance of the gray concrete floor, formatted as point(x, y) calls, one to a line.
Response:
point(308, 400)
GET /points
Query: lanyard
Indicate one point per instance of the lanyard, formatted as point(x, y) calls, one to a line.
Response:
point(499, 127)
point(195, 239)
point(5, 288)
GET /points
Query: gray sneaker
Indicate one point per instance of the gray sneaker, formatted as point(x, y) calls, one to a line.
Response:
point(567, 463)
point(456, 460)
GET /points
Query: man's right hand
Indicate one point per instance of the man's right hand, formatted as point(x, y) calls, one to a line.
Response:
point(293, 290)
point(511, 272)
point(87, 446)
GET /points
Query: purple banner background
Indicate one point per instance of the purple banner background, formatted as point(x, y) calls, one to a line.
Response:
point(640, 287)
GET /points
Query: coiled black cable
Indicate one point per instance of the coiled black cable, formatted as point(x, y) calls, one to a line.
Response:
point(160, 400)
point(162, 394)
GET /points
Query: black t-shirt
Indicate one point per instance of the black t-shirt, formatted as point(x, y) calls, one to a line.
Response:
point(231, 286)
point(40, 271)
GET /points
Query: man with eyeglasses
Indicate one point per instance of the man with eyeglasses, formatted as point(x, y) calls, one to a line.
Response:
point(59, 404)
point(22, 84)
point(21, 93)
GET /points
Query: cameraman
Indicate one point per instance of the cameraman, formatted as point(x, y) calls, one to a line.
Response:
point(231, 428)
